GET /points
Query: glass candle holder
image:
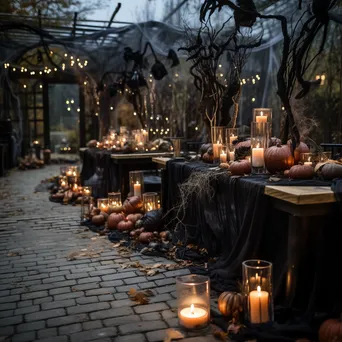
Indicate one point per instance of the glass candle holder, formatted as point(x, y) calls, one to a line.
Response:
point(63, 182)
point(176, 144)
point(114, 199)
point(307, 159)
point(193, 296)
point(86, 201)
point(259, 142)
point(231, 137)
point(102, 204)
point(223, 156)
point(136, 183)
point(257, 290)
point(262, 115)
point(324, 156)
point(150, 200)
point(63, 170)
point(218, 140)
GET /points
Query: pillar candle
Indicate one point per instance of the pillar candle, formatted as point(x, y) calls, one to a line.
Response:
point(223, 157)
point(258, 306)
point(258, 157)
point(232, 138)
point(137, 189)
point(231, 156)
point(261, 118)
point(192, 317)
point(217, 150)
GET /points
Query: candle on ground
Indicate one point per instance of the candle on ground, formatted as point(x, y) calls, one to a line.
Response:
point(258, 157)
point(217, 150)
point(258, 306)
point(261, 118)
point(137, 189)
point(231, 155)
point(192, 317)
point(103, 207)
point(223, 157)
point(63, 183)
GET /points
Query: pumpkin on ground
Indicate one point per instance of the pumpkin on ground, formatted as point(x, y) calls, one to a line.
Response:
point(105, 215)
point(301, 172)
point(242, 149)
point(240, 167)
point(98, 220)
point(132, 205)
point(331, 330)
point(134, 217)
point(114, 219)
point(145, 237)
point(301, 148)
point(125, 225)
point(231, 304)
point(116, 210)
point(278, 158)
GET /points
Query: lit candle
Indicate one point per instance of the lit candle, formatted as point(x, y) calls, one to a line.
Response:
point(261, 118)
point(258, 157)
point(103, 207)
point(87, 192)
point(232, 138)
point(75, 187)
point(223, 157)
point(258, 306)
point(217, 150)
point(137, 189)
point(63, 183)
point(149, 206)
point(69, 173)
point(231, 155)
point(192, 317)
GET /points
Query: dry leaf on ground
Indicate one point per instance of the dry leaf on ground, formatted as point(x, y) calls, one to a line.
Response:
point(12, 254)
point(173, 334)
point(140, 297)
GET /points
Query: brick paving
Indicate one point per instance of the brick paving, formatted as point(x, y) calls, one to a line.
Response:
point(46, 297)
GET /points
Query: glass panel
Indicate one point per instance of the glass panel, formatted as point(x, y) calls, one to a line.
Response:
point(40, 128)
point(39, 114)
point(32, 131)
point(30, 114)
point(39, 100)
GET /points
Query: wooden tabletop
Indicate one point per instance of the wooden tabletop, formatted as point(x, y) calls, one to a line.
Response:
point(161, 160)
point(140, 155)
point(301, 194)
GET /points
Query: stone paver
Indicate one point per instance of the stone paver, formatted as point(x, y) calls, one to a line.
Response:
point(46, 297)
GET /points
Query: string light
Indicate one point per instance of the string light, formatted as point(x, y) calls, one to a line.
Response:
point(72, 101)
point(69, 109)
point(78, 109)
point(97, 114)
point(253, 99)
point(111, 108)
point(24, 85)
point(134, 113)
point(40, 86)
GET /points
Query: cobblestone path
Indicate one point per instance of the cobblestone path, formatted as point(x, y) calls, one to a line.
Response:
point(46, 297)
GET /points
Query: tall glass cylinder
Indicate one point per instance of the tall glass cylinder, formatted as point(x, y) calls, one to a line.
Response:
point(262, 115)
point(150, 200)
point(257, 290)
point(193, 296)
point(218, 140)
point(176, 144)
point(136, 183)
point(231, 137)
point(86, 201)
point(114, 199)
point(259, 143)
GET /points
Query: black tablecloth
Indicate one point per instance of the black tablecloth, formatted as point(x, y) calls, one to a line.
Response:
point(239, 223)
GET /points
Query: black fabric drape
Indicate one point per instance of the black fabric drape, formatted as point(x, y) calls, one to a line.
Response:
point(88, 164)
point(240, 224)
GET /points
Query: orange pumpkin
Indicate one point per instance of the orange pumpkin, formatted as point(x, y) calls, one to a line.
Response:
point(134, 217)
point(301, 148)
point(125, 225)
point(278, 158)
point(114, 219)
point(301, 172)
point(132, 205)
point(98, 220)
point(240, 167)
point(331, 330)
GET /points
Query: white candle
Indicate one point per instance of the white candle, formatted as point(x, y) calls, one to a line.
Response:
point(258, 306)
point(192, 317)
point(261, 118)
point(232, 138)
point(258, 157)
point(231, 156)
point(137, 189)
point(223, 157)
point(217, 150)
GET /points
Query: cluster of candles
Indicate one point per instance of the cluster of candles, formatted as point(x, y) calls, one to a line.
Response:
point(193, 294)
point(70, 178)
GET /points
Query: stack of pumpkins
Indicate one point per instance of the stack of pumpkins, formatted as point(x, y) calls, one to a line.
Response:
point(66, 195)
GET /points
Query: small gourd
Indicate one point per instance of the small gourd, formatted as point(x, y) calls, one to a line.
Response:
point(231, 304)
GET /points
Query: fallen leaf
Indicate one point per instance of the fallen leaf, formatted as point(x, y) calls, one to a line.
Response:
point(220, 335)
point(117, 245)
point(12, 254)
point(140, 297)
point(151, 273)
point(173, 334)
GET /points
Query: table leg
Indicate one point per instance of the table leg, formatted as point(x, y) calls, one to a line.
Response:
point(296, 247)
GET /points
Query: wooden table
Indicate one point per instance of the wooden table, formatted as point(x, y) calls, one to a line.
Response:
point(134, 161)
point(161, 161)
point(301, 203)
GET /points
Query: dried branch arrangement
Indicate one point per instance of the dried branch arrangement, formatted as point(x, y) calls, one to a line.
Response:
point(313, 22)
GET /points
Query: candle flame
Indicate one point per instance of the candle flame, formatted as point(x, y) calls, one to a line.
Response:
point(259, 290)
point(192, 308)
point(261, 113)
point(103, 205)
point(137, 182)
